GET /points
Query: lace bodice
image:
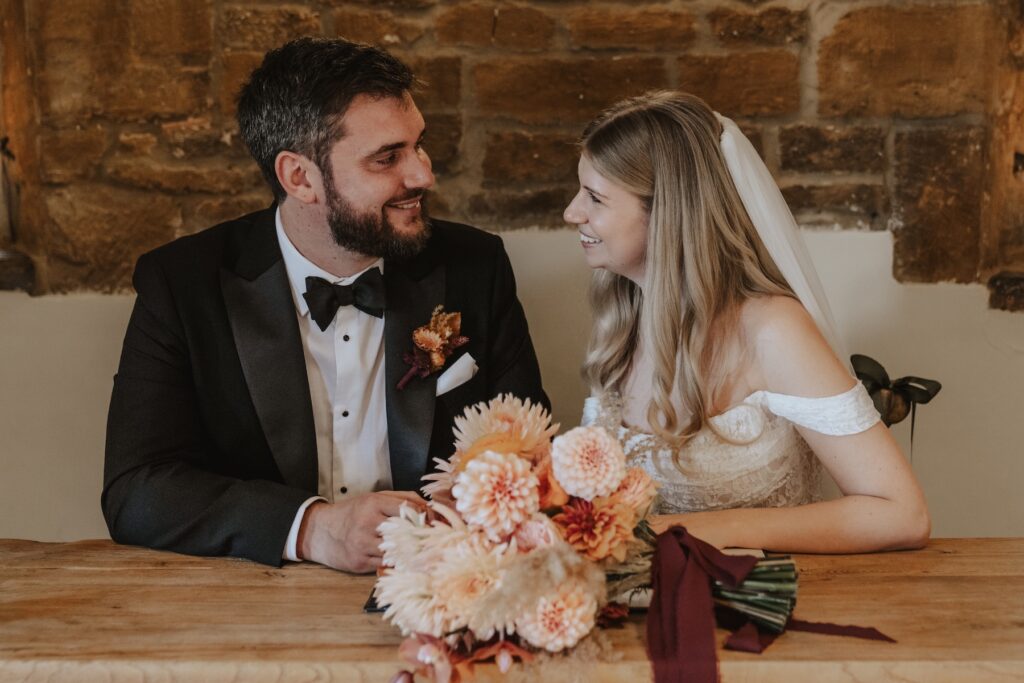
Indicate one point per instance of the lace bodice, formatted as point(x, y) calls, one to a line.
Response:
point(772, 466)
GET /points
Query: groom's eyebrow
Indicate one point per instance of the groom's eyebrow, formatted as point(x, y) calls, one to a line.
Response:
point(394, 145)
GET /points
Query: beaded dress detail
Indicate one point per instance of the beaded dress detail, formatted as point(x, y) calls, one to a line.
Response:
point(772, 466)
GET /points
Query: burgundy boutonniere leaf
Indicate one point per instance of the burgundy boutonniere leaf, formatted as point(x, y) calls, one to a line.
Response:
point(433, 344)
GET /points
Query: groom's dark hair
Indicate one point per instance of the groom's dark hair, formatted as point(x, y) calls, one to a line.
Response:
point(296, 98)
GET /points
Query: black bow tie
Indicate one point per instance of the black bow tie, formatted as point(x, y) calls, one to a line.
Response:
point(324, 298)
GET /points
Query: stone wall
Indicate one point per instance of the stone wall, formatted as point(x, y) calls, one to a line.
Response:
point(873, 114)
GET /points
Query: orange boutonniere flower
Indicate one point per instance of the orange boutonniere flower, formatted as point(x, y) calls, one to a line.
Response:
point(433, 344)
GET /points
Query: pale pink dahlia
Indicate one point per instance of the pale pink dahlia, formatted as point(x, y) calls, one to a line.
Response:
point(496, 492)
point(536, 532)
point(588, 462)
point(560, 620)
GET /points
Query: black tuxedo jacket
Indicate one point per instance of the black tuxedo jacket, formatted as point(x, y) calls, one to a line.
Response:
point(210, 441)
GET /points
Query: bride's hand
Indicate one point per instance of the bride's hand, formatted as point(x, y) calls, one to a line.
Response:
point(707, 526)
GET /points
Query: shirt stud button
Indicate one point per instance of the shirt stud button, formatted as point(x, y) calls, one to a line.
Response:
point(344, 413)
point(343, 489)
point(345, 337)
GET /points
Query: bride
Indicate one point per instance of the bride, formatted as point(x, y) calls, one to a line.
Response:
point(713, 355)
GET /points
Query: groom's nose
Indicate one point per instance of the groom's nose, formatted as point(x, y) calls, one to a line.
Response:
point(419, 171)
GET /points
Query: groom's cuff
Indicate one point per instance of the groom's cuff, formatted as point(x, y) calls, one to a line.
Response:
point(290, 551)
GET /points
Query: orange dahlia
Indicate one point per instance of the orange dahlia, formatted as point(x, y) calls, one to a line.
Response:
point(551, 492)
point(599, 529)
point(637, 490)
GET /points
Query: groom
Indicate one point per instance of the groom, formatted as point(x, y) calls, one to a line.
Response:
point(256, 410)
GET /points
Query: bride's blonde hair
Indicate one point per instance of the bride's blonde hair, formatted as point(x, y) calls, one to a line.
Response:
point(703, 257)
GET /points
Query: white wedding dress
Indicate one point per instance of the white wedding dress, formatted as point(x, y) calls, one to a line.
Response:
point(772, 467)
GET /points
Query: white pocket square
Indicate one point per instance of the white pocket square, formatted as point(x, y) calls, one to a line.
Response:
point(458, 374)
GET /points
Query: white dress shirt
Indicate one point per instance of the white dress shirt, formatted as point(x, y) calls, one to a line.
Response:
point(345, 369)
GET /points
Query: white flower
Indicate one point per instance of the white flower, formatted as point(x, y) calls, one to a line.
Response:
point(402, 537)
point(588, 462)
point(412, 603)
point(496, 492)
point(529, 423)
point(471, 571)
point(442, 480)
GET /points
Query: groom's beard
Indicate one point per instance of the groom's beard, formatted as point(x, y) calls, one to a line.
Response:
point(372, 234)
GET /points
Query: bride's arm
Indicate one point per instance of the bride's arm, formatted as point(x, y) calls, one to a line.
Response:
point(882, 507)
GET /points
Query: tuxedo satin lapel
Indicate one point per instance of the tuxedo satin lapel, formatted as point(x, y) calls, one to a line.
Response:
point(266, 332)
point(411, 298)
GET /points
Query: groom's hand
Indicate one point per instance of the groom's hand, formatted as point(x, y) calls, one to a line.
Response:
point(344, 535)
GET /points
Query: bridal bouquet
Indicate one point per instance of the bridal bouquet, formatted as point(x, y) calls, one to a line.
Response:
point(525, 541)
point(513, 557)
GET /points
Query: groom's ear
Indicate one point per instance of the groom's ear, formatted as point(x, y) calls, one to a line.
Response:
point(299, 177)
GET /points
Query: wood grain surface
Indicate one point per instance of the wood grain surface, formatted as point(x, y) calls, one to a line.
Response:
point(96, 611)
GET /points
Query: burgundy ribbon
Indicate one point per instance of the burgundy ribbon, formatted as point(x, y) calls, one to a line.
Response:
point(681, 620)
point(682, 615)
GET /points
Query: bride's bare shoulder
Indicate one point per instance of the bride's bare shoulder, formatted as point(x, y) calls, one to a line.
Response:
point(775, 319)
point(789, 352)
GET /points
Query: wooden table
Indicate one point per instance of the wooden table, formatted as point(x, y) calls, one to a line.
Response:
point(94, 611)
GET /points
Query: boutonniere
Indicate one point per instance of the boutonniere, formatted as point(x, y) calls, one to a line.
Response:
point(433, 344)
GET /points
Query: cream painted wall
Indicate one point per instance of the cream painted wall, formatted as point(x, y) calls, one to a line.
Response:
point(57, 356)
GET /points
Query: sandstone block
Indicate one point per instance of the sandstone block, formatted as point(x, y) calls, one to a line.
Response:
point(553, 90)
point(515, 27)
point(81, 47)
point(264, 28)
point(172, 28)
point(747, 84)
point(937, 204)
point(390, 4)
point(756, 136)
point(147, 91)
point(775, 26)
point(1006, 292)
point(438, 204)
point(375, 27)
point(214, 176)
point(97, 232)
point(830, 148)
point(855, 204)
point(135, 143)
point(196, 136)
point(17, 271)
point(72, 153)
point(503, 210)
point(442, 79)
point(651, 28)
point(210, 211)
point(521, 156)
point(236, 69)
point(919, 61)
point(444, 136)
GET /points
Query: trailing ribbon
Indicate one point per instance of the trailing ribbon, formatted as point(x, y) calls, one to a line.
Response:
point(746, 637)
point(682, 615)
